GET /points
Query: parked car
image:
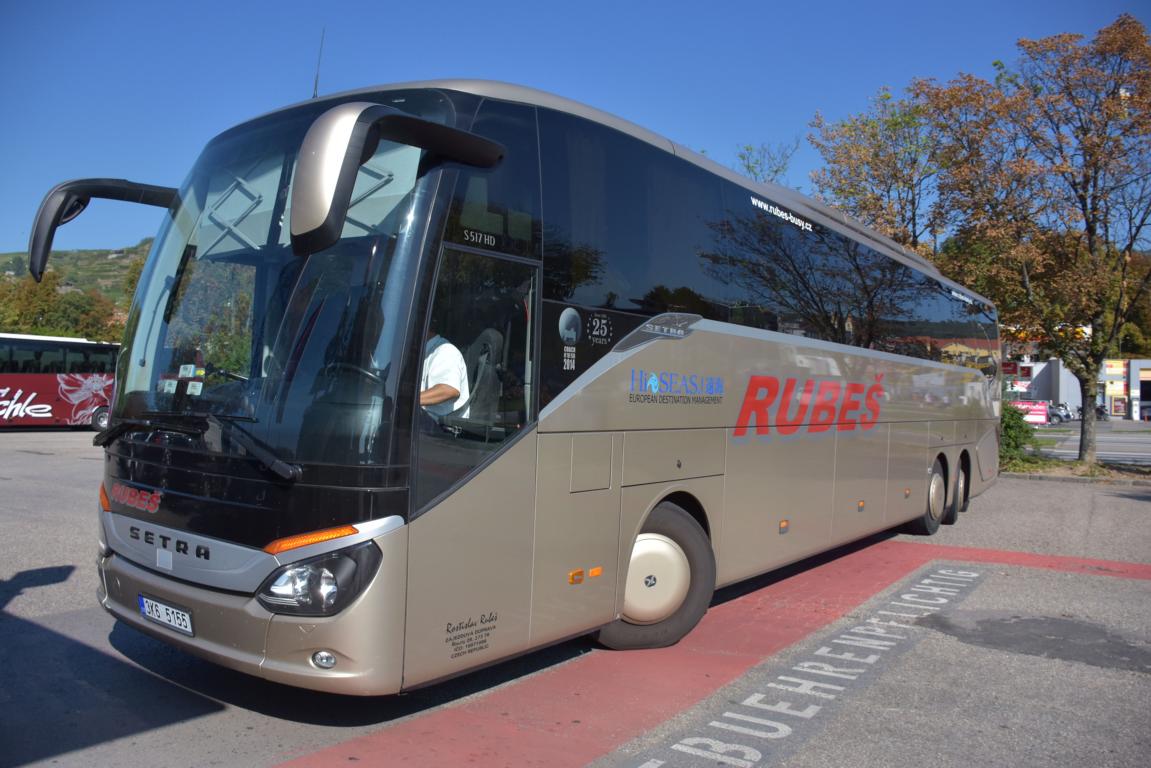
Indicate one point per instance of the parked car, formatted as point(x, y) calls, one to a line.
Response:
point(1054, 416)
point(1064, 411)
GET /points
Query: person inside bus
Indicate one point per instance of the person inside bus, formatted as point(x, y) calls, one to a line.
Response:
point(444, 382)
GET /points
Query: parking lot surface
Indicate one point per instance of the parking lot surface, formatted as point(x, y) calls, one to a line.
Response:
point(1019, 636)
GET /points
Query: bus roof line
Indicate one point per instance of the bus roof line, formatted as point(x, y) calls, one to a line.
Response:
point(818, 212)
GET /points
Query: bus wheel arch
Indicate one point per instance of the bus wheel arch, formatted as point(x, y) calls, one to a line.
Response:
point(669, 583)
point(691, 505)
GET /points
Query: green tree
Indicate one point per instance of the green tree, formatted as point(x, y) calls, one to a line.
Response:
point(881, 167)
point(766, 163)
point(51, 307)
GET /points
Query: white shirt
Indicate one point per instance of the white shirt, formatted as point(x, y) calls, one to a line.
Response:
point(443, 364)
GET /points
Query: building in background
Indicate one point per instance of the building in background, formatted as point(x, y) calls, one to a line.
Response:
point(1124, 386)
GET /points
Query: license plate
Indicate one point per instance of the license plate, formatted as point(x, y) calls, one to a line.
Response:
point(177, 619)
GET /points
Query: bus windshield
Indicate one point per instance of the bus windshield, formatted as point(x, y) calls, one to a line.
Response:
point(228, 321)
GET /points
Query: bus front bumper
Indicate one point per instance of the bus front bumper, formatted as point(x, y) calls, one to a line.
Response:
point(236, 632)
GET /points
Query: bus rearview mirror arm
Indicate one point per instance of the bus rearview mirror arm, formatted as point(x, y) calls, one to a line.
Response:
point(66, 201)
point(344, 138)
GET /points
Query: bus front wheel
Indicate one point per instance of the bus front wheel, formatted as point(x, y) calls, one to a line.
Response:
point(670, 581)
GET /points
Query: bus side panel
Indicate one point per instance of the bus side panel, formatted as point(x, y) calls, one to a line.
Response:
point(470, 571)
point(577, 523)
point(985, 458)
point(908, 467)
point(770, 480)
point(860, 483)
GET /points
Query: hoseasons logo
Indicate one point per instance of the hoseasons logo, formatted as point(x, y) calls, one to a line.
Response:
point(814, 405)
point(145, 501)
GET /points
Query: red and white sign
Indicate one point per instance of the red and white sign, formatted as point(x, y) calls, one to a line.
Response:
point(1034, 412)
point(52, 399)
point(1010, 368)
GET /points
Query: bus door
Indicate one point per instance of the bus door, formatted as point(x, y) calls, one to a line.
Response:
point(471, 537)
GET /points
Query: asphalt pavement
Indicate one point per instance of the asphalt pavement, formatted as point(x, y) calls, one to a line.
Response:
point(1116, 441)
point(1024, 639)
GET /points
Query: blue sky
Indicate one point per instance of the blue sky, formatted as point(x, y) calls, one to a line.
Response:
point(134, 89)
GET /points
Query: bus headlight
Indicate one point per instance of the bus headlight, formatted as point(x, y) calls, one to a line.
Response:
point(323, 585)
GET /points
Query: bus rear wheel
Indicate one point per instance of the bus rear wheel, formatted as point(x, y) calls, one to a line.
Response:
point(936, 509)
point(670, 581)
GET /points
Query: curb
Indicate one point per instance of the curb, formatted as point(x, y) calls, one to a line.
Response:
point(1064, 479)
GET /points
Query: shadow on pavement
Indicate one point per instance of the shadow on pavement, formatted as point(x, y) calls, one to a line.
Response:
point(59, 695)
point(742, 588)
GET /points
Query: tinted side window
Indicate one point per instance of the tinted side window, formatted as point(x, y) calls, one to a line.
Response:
point(480, 344)
point(499, 208)
point(627, 224)
point(789, 275)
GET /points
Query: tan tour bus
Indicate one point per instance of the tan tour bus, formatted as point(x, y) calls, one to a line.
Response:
point(424, 376)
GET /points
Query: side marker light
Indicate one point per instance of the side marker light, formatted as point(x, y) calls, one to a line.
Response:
point(105, 503)
point(784, 527)
point(576, 576)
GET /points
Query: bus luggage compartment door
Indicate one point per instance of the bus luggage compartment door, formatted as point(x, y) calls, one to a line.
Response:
point(577, 534)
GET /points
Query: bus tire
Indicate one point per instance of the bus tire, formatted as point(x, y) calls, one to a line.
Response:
point(951, 515)
point(670, 582)
point(936, 508)
point(100, 419)
point(959, 503)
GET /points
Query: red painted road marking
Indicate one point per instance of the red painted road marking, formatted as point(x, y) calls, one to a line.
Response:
point(579, 711)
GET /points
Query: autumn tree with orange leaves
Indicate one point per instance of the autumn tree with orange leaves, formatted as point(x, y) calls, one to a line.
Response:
point(1046, 178)
point(1040, 179)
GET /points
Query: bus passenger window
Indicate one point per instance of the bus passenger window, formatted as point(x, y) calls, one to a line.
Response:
point(478, 351)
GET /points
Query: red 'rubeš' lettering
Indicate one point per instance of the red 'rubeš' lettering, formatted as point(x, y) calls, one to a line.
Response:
point(815, 406)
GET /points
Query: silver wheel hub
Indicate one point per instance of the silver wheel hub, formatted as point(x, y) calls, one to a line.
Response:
point(937, 494)
point(658, 579)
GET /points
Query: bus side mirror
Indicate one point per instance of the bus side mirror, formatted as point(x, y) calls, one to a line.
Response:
point(66, 201)
point(344, 138)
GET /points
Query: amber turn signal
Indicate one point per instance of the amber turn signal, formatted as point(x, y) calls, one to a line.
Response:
point(304, 539)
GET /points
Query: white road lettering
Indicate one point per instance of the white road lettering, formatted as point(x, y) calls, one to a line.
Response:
point(778, 730)
point(806, 686)
point(876, 634)
point(847, 655)
point(783, 707)
point(717, 751)
point(822, 668)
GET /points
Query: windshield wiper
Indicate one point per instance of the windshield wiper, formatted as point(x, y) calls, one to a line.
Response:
point(140, 425)
point(192, 423)
point(272, 462)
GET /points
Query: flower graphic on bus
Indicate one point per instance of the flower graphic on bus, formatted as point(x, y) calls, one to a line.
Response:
point(86, 392)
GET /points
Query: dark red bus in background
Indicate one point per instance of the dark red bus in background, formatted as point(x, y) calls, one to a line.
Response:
point(50, 381)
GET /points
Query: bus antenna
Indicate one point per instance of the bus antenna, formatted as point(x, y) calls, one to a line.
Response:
point(319, 58)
